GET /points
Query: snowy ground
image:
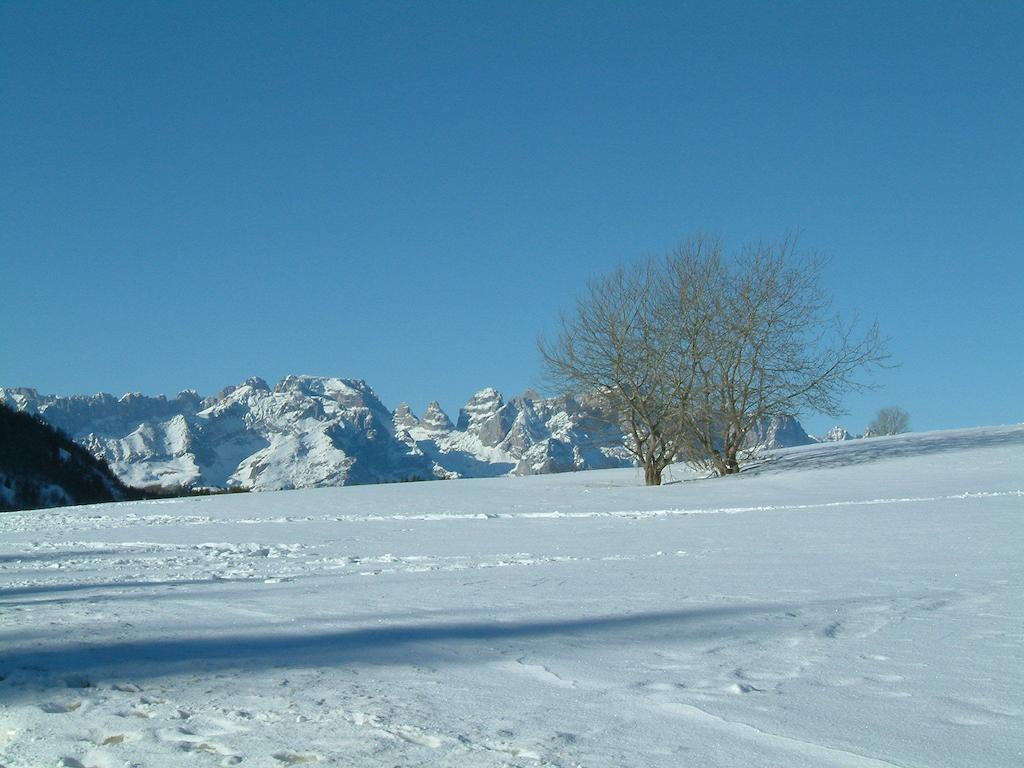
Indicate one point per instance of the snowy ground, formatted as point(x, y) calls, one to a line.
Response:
point(858, 604)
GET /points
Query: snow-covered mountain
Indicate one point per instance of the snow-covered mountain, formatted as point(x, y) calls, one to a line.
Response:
point(778, 432)
point(310, 431)
point(837, 435)
point(526, 436)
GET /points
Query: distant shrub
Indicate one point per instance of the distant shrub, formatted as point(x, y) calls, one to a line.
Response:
point(888, 421)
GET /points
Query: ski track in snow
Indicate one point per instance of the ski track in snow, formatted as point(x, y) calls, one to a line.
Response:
point(44, 521)
point(845, 631)
point(132, 563)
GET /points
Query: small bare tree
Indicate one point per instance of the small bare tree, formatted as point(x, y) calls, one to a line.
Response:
point(620, 345)
point(892, 420)
point(769, 346)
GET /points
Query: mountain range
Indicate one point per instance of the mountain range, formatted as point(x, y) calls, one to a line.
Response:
point(310, 431)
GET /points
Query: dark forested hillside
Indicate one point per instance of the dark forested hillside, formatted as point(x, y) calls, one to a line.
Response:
point(41, 467)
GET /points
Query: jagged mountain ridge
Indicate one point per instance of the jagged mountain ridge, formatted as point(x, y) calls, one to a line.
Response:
point(838, 434)
point(310, 431)
point(779, 432)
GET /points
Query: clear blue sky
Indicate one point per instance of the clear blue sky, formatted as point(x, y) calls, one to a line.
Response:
point(193, 193)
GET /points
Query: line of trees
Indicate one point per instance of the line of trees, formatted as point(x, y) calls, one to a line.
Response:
point(691, 351)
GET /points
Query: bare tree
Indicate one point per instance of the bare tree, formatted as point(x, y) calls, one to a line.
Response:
point(620, 346)
point(692, 351)
point(892, 420)
point(769, 346)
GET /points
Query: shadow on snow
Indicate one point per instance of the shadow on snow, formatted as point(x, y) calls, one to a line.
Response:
point(867, 450)
point(402, 644)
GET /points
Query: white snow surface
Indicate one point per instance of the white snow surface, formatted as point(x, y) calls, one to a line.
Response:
point(851, 604)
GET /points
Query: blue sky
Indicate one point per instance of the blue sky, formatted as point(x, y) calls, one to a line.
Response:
point(194, 193)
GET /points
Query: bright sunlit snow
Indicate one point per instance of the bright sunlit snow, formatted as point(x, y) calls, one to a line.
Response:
point(851, 604)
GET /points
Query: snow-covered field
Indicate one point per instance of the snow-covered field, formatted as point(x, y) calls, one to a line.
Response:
point(853, 604)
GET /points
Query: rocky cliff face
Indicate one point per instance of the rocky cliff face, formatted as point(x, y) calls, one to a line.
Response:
point(310, 431)
point(435, 420)
point(526, 435)
point(778, 432)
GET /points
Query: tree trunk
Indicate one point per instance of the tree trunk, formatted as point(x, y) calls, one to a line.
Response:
point(732, 464)
point(652, 474)
point(719, 464)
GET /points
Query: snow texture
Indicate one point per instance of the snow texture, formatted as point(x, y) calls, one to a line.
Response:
point(857, 603)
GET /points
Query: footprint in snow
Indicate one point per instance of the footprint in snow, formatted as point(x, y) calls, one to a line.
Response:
point(141, 714)
point(60, 707)
point(743, 688)
point(202, 746)
point(417, 737)
point(295, 758)
point(538, 672)
point(188, 740)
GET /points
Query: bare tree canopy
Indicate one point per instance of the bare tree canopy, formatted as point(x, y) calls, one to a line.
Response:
point(770, 346)
point(619, 344)
point(892, 420)
point(692, 351)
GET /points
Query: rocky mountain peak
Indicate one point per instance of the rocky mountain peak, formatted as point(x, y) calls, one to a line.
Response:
point(837, 434)
point(189, 398)
point(255, 382)
point(435, 419)
point(404, 418)
point(349, 393)
point(487, 399)
point(487, 417)
point(778, 432)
